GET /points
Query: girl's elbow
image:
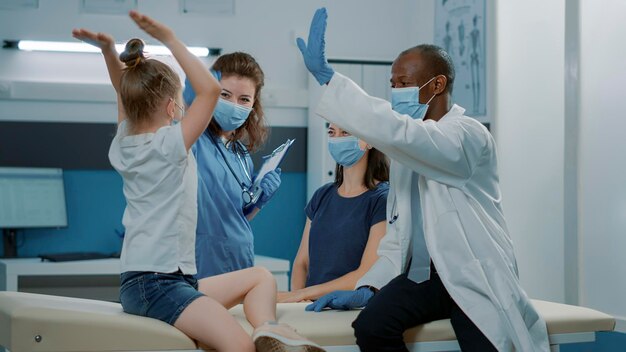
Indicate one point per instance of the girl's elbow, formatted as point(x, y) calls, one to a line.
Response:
point(211, 91)
point(215, 90)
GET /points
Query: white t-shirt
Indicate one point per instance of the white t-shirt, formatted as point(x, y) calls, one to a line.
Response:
point(160, 186)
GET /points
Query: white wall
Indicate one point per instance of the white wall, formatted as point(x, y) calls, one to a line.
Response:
point(356, 28)
point(559, 118)
point(529, 125)
point(602, 184)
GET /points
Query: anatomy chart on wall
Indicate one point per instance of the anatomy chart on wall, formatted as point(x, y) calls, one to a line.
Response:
point(460, 30)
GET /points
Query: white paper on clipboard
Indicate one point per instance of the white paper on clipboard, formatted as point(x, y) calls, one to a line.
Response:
point(271, 162)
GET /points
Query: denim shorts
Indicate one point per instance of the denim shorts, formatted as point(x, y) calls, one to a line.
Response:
point(157, 295)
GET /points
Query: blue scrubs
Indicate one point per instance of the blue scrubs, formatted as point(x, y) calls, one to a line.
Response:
point(224, 241)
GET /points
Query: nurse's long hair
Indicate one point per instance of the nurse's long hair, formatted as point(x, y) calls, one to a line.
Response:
point(253, 132)
point(377, 170)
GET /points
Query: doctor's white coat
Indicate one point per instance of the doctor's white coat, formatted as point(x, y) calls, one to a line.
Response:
point(453, 164)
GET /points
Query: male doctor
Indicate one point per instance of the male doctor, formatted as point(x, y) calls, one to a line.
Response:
point(447, 252)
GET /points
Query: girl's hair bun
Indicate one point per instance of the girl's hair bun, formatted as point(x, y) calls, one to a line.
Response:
point(133, 53)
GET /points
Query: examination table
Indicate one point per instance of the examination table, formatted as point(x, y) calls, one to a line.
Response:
point(32, 322)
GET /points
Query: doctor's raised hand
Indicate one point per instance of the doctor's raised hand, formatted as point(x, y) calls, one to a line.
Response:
point(313, 51)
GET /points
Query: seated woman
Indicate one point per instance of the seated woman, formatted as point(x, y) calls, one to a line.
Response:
point(345, 221)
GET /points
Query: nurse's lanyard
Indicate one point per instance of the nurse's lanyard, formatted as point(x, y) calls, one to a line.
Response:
point(246, 194)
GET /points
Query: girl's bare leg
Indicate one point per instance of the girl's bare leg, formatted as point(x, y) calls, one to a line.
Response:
point(255, 287)
point(208, 322)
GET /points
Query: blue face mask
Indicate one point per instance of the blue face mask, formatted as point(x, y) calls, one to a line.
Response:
point(345, 150)
point(407, 101)
point(230, 116)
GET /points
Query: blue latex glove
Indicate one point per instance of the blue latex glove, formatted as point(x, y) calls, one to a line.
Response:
point(269, 185)
point(343, 300)
point(189, 94)
point(313, 53)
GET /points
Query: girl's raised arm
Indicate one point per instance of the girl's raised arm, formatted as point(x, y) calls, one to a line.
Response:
point(106, 43)
point(207, 88)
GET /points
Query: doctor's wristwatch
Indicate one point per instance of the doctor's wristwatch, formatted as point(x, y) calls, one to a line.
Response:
point(371, 288)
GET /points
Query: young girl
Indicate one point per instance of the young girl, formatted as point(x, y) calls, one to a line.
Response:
point(224, 239)
point(151, 153)
point(345, 221)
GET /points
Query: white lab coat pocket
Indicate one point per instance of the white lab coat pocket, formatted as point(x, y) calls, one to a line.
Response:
point(502, 285)
point(524, 325)
point(475, 297)
point(471, 284)
point(437, 199)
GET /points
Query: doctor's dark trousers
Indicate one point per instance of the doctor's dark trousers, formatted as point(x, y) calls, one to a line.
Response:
point(403, 304)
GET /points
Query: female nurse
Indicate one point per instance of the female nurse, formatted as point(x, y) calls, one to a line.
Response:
point(226, 204)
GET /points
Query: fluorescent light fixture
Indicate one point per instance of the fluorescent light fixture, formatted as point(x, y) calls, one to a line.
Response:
point(79, 47)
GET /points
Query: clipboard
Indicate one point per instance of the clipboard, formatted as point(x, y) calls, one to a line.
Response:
point(272, 161)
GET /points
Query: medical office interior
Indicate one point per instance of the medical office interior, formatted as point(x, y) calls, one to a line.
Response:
point(553, 82)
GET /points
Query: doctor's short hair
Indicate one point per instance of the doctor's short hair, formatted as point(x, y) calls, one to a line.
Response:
point(439, 61)
point(253, 133)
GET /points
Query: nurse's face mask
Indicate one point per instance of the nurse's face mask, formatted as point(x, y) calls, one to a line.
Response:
point(235, 103)
point(407, 101)
point(345, 150)
point(230, 116)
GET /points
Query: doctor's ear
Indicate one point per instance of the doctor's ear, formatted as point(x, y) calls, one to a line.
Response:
point(441, 83)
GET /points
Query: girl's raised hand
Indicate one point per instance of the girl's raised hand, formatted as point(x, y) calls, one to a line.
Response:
point(155, 28)
point(101, 40)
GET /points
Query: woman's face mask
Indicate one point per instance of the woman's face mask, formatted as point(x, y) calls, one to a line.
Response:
point(230, 116)
point(345, 150)
point(407, 101)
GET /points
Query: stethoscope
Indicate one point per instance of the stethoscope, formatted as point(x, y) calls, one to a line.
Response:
point(246, 194)
point(393, 212)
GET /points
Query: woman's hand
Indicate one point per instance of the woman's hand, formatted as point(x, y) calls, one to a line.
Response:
point(153, 27)
point(291, 297)
point(103, 41)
